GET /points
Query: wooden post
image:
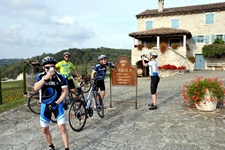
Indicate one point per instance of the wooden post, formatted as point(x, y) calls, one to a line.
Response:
point(110, 84)
point(0, 88)
point(24, 79)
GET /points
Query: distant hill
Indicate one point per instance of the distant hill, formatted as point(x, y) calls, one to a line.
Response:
point(11, 68)
point(9, 61)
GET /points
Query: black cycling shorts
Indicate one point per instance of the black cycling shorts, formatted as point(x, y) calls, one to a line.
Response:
point(100, 84)
point(71, 84)
point(154, 84)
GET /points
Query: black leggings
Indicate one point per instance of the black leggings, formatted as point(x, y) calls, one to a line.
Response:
point(154, 84)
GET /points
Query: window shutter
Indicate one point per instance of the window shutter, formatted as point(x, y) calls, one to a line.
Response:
point(206, 39)
point(209, 19)
point(213, 38)
point(175, 23)
point(149, 25)
point(212, 18)
point(194, 39)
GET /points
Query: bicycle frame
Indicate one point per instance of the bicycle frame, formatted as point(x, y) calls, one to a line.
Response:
point(90, 97)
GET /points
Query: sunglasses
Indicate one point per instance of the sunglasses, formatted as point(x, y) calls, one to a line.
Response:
point(67, 56)
point(48, 67)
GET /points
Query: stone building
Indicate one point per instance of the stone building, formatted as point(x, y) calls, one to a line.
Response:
point(190, 27)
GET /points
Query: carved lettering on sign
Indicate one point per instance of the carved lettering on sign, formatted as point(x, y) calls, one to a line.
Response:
point(125, 73)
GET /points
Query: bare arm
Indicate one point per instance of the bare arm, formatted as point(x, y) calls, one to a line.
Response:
point(64, 94)
point(75, 72)
point(93, 74)
point(143, 63)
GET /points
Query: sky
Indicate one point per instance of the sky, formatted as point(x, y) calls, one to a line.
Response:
point(32, 27)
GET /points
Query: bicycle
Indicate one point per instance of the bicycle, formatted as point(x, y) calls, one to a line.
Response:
point(84, 86)
point(85, 83)
point(34, 104)
point(80, 109)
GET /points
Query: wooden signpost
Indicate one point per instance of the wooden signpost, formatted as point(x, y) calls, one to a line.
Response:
point(124, 75)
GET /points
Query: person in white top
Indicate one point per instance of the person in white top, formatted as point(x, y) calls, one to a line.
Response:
point(153, 73)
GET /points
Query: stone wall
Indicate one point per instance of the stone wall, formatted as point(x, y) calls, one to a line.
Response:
point(169, 73)
point(176, 57)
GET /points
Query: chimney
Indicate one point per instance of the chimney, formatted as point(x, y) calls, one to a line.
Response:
point(160, 5)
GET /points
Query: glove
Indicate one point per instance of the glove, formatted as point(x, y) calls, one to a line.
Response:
point(52, 105)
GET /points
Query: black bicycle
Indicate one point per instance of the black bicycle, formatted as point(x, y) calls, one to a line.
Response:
point(80, 109)
point(34, 101)
point(83, 81)
point(34, 104)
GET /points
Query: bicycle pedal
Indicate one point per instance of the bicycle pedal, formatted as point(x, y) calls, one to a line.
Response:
point(90, 112)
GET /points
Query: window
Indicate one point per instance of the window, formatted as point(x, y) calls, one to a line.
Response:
point(209, 18)
point(174, 41)
point(200, 39)
point(149, 41)
point(220, 36)
point(149, 25)
point(175, 23)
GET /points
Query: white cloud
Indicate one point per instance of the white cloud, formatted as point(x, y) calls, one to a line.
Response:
point(66, 20)
point(32, 27)
point(12, 35)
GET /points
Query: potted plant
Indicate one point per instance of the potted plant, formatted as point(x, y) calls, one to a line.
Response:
point(140, 46)
point(163, 47)
point(191, 59)
point(149, 46)
point(175, 46)
point(203, 93)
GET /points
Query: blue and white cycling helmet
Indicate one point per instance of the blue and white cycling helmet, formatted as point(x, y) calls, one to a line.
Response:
point(48, 60)
point(101, 57)
point(154, 54)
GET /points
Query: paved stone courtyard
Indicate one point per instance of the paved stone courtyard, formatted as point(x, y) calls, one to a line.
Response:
point(172, 126)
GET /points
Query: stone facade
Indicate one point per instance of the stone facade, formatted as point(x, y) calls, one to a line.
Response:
point(194, 22)
point(191, 22)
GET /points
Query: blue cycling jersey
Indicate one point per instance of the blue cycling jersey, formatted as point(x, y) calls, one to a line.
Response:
point(100, 70)
point(51, 91)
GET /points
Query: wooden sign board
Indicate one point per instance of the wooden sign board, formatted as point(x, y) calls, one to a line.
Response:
point(125, 73)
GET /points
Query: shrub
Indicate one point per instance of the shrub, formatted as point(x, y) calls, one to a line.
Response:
point(163, 47)
point(213, 50)
point(140, 46)
point(149, 46)
point(194, 91)
point(191, 59)
point(181, 68)
point(175, 45)
point(171, 67)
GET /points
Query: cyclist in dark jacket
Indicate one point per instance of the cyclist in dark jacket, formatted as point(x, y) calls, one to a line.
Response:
point(99, 71)
point(54, 90)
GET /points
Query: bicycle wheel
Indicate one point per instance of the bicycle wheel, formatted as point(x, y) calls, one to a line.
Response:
point(77, 115)
point(85, 85)
point(34, 103)
point(99, 105)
